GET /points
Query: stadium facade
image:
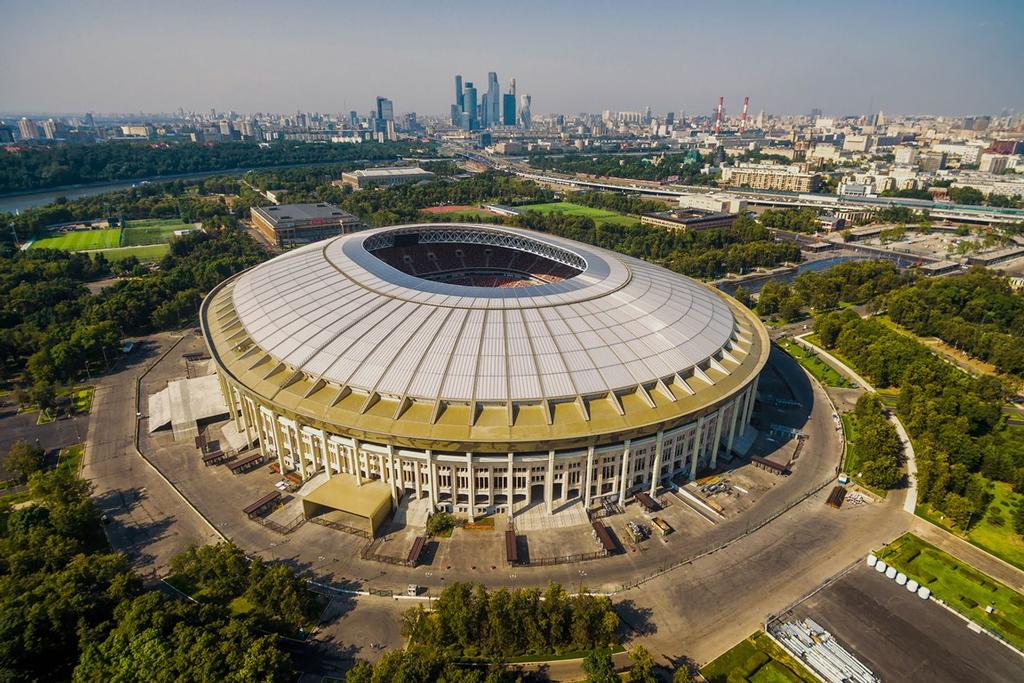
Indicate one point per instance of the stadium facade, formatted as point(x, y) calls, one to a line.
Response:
point(478, 366)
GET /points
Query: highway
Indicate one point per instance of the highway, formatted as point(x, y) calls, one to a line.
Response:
point(939, 210)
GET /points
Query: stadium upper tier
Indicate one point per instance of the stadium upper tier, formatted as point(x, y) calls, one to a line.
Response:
point(435, 318)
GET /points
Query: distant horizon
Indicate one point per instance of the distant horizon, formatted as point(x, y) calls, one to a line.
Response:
point(943, 59)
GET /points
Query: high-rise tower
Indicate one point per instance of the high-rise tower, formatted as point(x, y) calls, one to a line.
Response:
point(493, 99)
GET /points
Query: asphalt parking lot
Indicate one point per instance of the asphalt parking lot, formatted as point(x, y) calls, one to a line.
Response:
point(904, 638)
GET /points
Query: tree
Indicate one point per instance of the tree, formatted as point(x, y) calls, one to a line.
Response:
point(599, 667)
point(682, 674)
point(642, 670)
point(24, 458)
point(959, 509)
point(743, 296)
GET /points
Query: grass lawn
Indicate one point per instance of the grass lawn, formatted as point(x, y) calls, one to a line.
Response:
point(988, 534)
point(70, 458)
point(81, 400)
point(152, 231)
point(150, 252)
point(758, 659)
point(551, 657)
point(822, 371)
point(598, 215)
point(467, 214)
point(81, 240)
point(960, 586)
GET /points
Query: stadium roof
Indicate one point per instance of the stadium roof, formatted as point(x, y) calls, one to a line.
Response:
point(336, 313)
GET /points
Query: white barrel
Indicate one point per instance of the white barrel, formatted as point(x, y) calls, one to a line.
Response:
point(880, 566)
point(901, 579)
point(924, 592)
point(872, 560)
point(890, 573)
point(912, 586)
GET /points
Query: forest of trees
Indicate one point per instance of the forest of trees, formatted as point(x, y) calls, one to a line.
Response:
point(470, 621)
point(976, 312)
point(51, 327)
point(877, 454)
point(74, 610)
point(960, 436)
point(683, 168)
point(797, 220)
point(43, 167)
point(853, 282)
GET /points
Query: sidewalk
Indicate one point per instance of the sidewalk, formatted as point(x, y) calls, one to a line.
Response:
point(910, 501)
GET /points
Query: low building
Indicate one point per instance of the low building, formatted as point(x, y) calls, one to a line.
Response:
point(688, 219)
point(291, 225)
point(771, 177)
point(939, 268)
point(717, 203)
point(384, 177)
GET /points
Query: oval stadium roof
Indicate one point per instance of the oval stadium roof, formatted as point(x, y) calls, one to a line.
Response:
point(337, 313)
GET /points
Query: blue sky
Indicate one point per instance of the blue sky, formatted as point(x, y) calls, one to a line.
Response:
point(902, 56)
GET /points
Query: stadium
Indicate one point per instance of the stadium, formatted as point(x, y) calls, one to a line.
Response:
point(483, 369)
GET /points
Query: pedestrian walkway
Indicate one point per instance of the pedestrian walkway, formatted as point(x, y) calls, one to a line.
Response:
point(910, 501)
point(966, 552)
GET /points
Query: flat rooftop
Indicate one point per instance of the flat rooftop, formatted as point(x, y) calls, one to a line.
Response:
point(301, 212)
point(390, 172)
point(685, 215)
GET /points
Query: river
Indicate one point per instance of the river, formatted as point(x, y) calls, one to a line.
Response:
point(19, 202)
point(755, 283)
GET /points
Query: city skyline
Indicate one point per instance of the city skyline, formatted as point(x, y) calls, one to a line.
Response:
point(844, 60)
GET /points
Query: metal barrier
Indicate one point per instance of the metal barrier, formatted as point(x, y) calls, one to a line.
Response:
point(339, 527)
point(284, 529)
point(367, 553)
point(566, 559)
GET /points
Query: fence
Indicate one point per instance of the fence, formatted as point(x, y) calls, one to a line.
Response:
point(567, 559)
point(283, 529)
point(368, 553)
point(339, 527)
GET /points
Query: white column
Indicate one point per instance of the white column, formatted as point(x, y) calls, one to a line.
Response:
point(734, 414)
point(716, 445)
point(295, 439)
point(656, 474)
point(589, 476)
point(357, 466)
point(389, 466)
point(698, 434)
point(624, 476)
point(471, 477)
point(432, 474)
point(278, 441)
point(549, 482)
point(510, 487)
point(417, 486)
point(324, 452)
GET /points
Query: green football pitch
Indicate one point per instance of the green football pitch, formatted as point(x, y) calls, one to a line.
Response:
point(152, 231)
point(81, 240)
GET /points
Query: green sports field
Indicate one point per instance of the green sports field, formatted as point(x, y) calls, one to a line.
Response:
point(81, 240)
point(152, 231)
point(148, 252)
point(598, 215)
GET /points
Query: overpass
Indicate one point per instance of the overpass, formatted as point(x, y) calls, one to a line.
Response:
point(941, 210)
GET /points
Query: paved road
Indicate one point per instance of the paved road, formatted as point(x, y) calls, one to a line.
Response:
point(147, 519)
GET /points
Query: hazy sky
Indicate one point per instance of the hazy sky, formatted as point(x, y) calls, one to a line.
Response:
point(902, 56)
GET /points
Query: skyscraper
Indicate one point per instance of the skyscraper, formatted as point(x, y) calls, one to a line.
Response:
point(508, 105)
point(385, 109)
point(524, 111)
point(27, 129)
point(458, 92)
point(469, 107)
point(493, 99)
